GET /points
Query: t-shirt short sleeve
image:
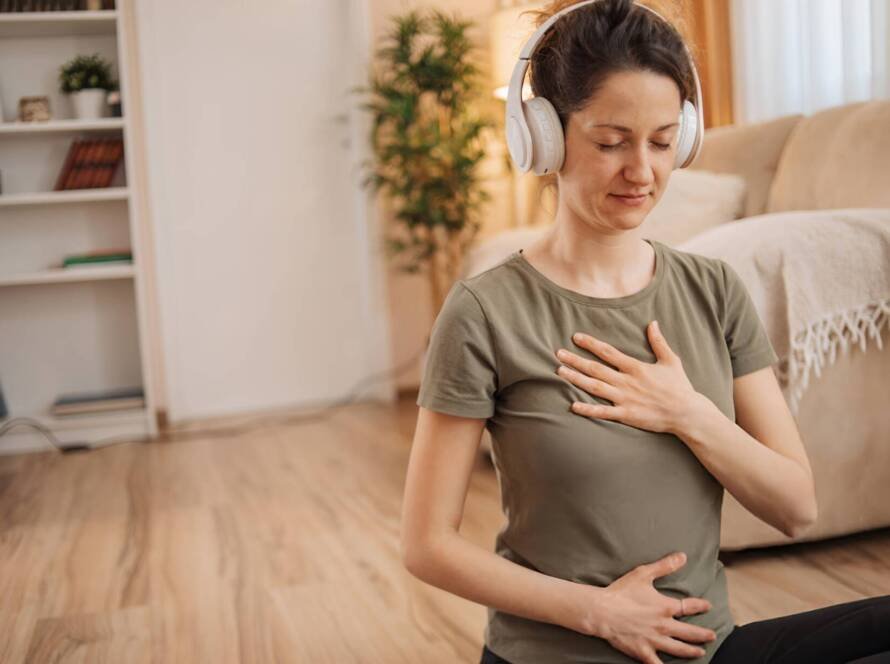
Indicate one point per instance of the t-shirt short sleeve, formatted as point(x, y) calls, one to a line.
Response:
point(749, 345)
point(460, 371)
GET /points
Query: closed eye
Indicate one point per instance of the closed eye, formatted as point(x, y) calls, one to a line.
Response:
point(607, 148)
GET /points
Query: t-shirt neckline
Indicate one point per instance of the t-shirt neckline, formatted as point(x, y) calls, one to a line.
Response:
point(623, 301)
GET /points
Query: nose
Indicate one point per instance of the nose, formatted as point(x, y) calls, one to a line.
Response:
point(637, 169)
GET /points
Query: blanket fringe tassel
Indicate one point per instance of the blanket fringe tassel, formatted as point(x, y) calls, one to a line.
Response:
point(816, 347)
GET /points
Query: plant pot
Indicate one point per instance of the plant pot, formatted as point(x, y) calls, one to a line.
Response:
point(88, 103)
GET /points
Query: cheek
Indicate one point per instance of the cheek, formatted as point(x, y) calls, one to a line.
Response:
point(585, 157)
point(585, 175)
point(592, 170)
point(591, 187)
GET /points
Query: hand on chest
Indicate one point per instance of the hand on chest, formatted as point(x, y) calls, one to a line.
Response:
point(619, 360)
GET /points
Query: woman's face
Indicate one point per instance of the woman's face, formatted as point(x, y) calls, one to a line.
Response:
point(603, 162)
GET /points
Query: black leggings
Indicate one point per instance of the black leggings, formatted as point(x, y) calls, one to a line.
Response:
point(856, 631)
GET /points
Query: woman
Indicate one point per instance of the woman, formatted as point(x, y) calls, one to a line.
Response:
point(614, 455)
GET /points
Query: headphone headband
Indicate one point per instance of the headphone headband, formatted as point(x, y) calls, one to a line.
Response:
point(522, 144)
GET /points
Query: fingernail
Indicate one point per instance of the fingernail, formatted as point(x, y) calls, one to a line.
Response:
point(655, 323)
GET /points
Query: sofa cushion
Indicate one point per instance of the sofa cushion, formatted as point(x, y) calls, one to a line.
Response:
point(836, 158)
point(693, 202)
point(750, 150)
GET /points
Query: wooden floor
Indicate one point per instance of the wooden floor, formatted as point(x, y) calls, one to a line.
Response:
point(279, 543)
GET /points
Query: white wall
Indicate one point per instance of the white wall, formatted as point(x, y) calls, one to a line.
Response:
point(269, 282)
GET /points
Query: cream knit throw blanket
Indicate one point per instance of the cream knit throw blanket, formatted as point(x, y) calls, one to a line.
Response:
point(820, 281)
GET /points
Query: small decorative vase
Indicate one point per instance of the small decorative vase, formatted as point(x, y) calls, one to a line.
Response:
point(89, 103)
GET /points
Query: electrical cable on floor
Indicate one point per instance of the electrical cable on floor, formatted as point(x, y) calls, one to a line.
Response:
point(27, 421)
point(262, 420)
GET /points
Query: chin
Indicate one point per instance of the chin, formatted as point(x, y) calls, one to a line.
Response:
point(633, 222)
point(630, 214)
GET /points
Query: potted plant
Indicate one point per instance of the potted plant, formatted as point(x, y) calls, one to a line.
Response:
point(426, 139)
point(86, 78)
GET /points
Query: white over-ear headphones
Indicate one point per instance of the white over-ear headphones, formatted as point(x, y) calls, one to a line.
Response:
point(534, 133)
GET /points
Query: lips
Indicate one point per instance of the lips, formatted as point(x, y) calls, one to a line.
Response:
point(631, 201)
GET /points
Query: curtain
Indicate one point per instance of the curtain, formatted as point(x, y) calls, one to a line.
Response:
point(801, 56)
point(710, 35)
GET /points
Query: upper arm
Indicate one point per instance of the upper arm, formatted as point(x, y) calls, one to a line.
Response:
point(761, 410)
point(760, 407)
point(456, 397)
point(460, 373)
point(443, 455)
point(746, 337)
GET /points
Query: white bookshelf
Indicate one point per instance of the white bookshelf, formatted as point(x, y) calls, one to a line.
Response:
point(20, 25)
point(81, 328)
point(72, 125)
point(59, 276)
point(70, 196)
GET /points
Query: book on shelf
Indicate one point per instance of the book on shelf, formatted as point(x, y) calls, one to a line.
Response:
point(101, 256)
point(90, 163)
point(54, 5)
point(100, 401)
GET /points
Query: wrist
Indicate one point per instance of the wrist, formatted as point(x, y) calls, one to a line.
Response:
point(694, 409)
point(588, 609)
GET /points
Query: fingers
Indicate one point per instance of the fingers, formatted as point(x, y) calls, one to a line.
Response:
point(666, 565)
point(690, 632)
point(606, 351)
point(589, 367)
point(659, 344)
point(690, 606)
point(650, 657)
point(678, 648)
point(592, 385)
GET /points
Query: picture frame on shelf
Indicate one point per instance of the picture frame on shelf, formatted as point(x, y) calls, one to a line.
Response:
point(34, 109)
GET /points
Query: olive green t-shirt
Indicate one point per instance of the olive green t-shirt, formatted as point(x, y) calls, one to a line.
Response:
point(589, 499)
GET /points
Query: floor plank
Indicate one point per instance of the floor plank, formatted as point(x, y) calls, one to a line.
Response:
point(275, 539)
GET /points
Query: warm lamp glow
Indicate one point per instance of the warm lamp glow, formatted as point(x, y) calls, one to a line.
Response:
point(501, 92)
point(509, 31)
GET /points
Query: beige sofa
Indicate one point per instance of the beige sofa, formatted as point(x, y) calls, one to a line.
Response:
point(837, 158)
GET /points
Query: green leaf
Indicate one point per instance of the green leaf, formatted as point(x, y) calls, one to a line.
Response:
point(425, 133)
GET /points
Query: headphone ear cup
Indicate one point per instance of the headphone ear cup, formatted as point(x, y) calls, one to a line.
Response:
point(686, 136)
point(548, 141)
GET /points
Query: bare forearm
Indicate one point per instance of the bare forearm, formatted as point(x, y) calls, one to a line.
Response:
point(463, 568)
point(773, 487)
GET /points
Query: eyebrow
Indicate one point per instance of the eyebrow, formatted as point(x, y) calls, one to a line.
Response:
point(629, 130)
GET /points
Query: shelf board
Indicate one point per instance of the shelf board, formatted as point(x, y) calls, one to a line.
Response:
point(67, 196)
point(57, 24)
point(68, 274)
point(65, 125)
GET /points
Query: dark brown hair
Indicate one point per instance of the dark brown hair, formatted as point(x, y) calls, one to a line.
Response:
point(587, 45)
